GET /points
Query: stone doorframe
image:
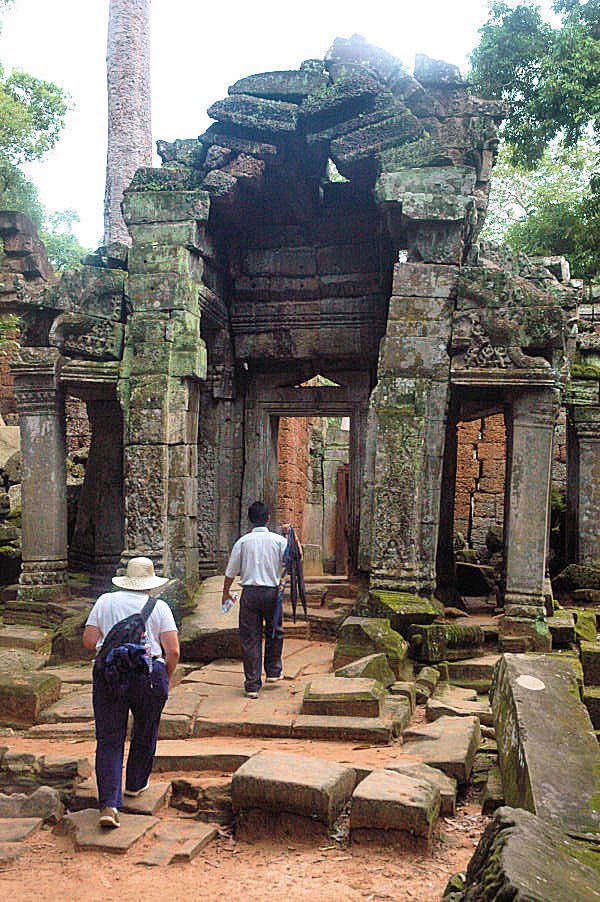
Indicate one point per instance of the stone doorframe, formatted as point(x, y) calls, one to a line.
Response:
point(266, 402)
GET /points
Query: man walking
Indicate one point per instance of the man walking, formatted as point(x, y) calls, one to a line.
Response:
point(258, 557)
point(145, 693)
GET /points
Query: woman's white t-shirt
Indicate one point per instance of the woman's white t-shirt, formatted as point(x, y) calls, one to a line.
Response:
point(115, 606)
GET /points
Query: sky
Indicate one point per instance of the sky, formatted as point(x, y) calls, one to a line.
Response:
point(198, 49)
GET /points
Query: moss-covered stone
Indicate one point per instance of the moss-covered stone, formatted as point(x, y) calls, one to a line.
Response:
point(585, 625)
point(330, 696)
point(362, 636)
point(428, 643)
point(403, 609)
point(373, 667)
point(578, 576)
point(24, 694)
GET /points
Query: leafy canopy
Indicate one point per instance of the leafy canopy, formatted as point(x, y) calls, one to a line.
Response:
point(549, 76)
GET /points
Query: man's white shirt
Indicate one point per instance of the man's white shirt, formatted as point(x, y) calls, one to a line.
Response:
point(257, 557)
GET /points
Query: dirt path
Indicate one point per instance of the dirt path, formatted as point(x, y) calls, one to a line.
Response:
point(229, 870)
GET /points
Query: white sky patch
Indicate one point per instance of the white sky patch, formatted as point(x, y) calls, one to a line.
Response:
point(198, 50)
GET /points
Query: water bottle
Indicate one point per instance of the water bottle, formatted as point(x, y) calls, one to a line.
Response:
point(229, 603)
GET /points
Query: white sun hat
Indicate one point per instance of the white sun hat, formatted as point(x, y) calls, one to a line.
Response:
point(139, 575)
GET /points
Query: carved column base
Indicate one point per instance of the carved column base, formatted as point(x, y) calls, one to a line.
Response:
point(42, 580)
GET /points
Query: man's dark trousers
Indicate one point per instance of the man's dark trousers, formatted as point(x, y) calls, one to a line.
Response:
point(257, 605)
point(146, 698)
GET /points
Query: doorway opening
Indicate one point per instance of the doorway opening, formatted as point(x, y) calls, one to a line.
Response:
point(313, 488)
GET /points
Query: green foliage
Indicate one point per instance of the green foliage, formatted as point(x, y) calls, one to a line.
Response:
point(548, 75)
point(551, 209)
point(62, 246)
point(9, 329)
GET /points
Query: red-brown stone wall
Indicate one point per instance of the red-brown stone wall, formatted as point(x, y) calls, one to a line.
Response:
point(293, 454)
point(480, 475)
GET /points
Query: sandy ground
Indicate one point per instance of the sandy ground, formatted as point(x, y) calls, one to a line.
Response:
point(233, 870)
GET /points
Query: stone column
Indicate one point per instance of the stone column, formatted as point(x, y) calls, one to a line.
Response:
point(584, 479)
point(164, 359)
point(408, 414)
point(97, 541)
point(530, 435)
point(41, 409)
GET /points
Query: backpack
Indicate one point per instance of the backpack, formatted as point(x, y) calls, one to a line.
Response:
point(122, 655)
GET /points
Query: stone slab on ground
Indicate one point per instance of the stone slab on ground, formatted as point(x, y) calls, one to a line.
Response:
point(13, 659)
point(197, 755)
point(525, 858)
point(78, 731)
point(260, 725)
point(338, 697)
point(175, 726)
point(296, 784)
point(16, 829)
point(562, 628)
point(455, 701)
point(374, 667)
point(185, 699)
point(189, 837)
point(149, 802)
point(590, 661)
point(88, 834)
point(547, 752)
point(449, 743)
point(44, 803)
point(374, 730)
point(27, 637)
point(208, 634)
point(390, 801)
point(403, 609)
point(24, 695)
point(445, 784)
point(473, 673)
point(74, 707)
point(73, 673)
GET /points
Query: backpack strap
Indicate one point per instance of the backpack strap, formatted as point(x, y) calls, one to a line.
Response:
point(148, 608)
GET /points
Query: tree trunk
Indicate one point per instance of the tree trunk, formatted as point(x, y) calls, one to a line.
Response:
point(129, 107)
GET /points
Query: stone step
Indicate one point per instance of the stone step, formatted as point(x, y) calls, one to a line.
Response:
point(455, 701)
point(394, 808)
point(24, 695)
point(373, 730)
point(88, 834)
point(281, 784)
point(343, 697)
point(198, 755)
point(149, 802)
point(178, 841)
point(446, 785)
point(27, 637)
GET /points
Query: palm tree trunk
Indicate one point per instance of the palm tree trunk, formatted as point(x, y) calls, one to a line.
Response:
point(129, 106)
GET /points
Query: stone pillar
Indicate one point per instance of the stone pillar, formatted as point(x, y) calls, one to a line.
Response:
point(584, 481)
point(164, 359)
point(408, 414)
point(530, 437)
point(41, 407)
point(98, 538)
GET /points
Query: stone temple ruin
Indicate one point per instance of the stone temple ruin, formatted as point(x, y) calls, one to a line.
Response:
point(327, 225)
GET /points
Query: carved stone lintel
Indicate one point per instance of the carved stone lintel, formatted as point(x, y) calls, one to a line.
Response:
point(87, 336)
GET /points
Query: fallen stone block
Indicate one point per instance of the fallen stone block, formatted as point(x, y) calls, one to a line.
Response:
point(457, 702)
point(406, 690)
point(24, 695)
point(450, 744)
point(401, 714)
point(336, 697)
point(473, 673)
point(44, 803)
point(523, 857)
point(187, 838)
point(428, 643)
point(547, 752)
point(403, 610)
point(585, 625)
point(296, 784)
point(562, 629)
point(88, 834)
point(590, 661)
point(64, 768)
point(493, 794)
point(426, 681)
point(591, 699)
point(423, 772)
point(362, 636)
point(27, 637)
point(388, 804)
point(197, 755)
point(374, 730)
point(16, 829)
point(373, 667)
